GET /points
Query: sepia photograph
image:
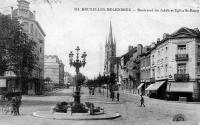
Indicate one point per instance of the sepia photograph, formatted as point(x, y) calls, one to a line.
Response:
point(99, 62)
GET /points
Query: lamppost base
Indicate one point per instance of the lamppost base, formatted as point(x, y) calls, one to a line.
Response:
point(76, 97)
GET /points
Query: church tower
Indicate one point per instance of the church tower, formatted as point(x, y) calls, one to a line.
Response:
point(110, 51)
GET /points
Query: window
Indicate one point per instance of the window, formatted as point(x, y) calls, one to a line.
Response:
point(198, 49)
point(181, 49)
point(198, 68)
point(181, 68)
point(158, 70)
point(153, 72)
point(161, 62)
point(32, 29)
point(40, 50)
point(158, 53)
point(166, 66)
point(25, 27)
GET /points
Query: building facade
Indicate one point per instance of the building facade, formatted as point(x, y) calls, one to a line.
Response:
point(54, 69)
point(129, 75)
point(68, 79)
point(33, 29)
point(175, 65)
point(144, 70)
point(110, 51)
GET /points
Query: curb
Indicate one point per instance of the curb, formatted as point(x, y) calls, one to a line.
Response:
point(78, 117)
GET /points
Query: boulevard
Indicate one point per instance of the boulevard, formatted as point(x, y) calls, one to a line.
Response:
point(156, 112)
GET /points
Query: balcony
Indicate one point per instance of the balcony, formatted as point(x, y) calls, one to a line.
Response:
point(181, 77)
point(182, 57)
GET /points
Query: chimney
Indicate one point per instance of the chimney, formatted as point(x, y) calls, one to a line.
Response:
point(158, 40)
point(153, 44)
point(130, 48)
point(196, 29)
point(165, 35)
point(139, 49)
point(23, 4)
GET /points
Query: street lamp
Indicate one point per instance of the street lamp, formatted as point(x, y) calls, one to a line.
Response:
point(77, 63)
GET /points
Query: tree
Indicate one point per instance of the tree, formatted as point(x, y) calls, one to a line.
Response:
point(47, 79)
point(18, 48)
point(79, 79)
point(112, 81)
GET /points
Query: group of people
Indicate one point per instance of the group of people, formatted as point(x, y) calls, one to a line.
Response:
point(16, 103)
point(91, 91)
point(112, 94)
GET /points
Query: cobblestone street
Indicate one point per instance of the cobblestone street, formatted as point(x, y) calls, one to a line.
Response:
point(156, 111)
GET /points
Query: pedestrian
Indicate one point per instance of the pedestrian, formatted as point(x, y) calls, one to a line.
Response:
point(93, 91)
point(118, 96)
point(142, 101)
point(112, 95)
point(89, 91)
point(14, 106)
point(18, 103)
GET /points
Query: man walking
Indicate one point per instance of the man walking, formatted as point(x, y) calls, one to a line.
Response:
point(118, 96)
point(142, 101)
point(112, 95)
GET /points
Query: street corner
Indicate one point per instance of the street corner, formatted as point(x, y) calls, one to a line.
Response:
point(76, 116)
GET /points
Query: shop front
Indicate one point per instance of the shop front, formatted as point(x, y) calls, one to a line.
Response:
point(177, 90)
point(157, 90)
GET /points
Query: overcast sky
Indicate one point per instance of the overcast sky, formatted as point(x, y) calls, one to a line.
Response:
point(66, 28)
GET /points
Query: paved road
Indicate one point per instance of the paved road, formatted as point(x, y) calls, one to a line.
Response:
point(156, 112)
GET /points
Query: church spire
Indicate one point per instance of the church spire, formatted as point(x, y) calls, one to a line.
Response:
point(110, 37)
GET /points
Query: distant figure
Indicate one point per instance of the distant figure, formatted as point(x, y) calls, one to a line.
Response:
point(112, 95)
point(14, 106)
point(18, 103)
point(118, 96)
point(93, 91)
point(89, 91)
point(142, 101)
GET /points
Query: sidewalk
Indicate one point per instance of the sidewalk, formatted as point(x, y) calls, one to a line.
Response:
point(154, 99)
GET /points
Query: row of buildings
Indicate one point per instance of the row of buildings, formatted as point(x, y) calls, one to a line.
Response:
point(47, 66)
point(54, 69)
point(167, 69)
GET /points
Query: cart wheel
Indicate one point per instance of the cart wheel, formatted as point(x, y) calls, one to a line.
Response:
point(5, 110)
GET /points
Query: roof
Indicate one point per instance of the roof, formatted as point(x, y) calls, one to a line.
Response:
point(183, 32)
point(30, 18)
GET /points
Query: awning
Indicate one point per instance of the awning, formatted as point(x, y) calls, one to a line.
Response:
point(140, 85)
point(180, 87)
point(155, 86)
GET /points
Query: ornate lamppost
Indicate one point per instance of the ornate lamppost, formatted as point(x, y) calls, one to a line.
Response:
point(77, 63)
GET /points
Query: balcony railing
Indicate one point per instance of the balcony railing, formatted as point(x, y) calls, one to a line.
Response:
point(182, 57)
point(181, 77)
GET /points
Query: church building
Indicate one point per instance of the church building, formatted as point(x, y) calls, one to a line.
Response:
point(110, 52)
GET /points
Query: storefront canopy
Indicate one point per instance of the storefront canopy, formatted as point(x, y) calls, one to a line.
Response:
point(140, 85)
point(155, 86)
point(180, 87)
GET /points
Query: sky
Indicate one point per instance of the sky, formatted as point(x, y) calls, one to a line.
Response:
point(65, 27)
